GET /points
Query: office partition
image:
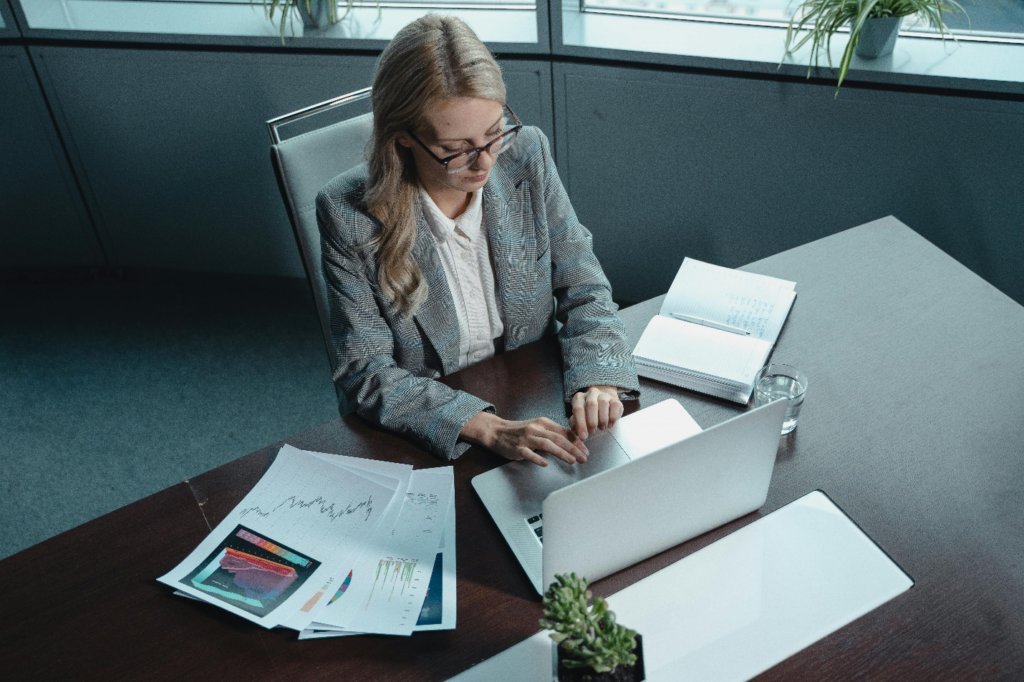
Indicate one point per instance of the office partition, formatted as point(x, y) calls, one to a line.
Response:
point(664, 164)
point(45, 222)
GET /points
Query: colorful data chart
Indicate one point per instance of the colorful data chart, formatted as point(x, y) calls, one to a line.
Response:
point(397, 572)
point(251, 572)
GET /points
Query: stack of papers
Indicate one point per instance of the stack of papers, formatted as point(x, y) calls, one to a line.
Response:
point(333, 546)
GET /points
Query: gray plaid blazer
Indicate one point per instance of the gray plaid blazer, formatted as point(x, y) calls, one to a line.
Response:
point(386, 363)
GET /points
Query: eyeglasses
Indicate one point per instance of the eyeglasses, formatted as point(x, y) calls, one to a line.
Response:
point(456, 163)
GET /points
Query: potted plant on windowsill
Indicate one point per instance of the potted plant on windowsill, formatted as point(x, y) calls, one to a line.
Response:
point(590, 645)
point(873, 24)
point(316, 15)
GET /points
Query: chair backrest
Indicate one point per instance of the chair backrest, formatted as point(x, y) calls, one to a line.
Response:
point(303, 165)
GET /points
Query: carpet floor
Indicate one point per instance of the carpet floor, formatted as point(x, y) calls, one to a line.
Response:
point(115, 387)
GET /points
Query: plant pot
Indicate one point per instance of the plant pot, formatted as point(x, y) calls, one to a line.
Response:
point(633, 673)
point(877, 37)
point(319, 14)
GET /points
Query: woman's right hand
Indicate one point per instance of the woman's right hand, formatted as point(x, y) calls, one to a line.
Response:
point(519, 439)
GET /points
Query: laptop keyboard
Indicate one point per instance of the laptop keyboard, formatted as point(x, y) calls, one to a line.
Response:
point(536, 524)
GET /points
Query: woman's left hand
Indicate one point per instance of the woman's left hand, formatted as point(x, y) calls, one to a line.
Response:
point(596, 409)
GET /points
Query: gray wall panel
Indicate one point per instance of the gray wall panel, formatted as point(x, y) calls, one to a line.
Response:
point(43, 221)
point(8, 27)
point(174, 152)
point(528, 88)
point(664, 165)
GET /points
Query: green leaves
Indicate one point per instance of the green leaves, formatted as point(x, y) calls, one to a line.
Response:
point(586, 632)
point(289, 8)
point(819, 20)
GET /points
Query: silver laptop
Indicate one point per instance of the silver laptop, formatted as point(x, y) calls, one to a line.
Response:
point(651, 482)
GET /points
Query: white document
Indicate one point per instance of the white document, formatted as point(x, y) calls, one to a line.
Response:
point(756, 303)
point(374, 470)
point(439, 607)
point(438, 610)
point(275, 550)
point(389, 584)
point(358, 562)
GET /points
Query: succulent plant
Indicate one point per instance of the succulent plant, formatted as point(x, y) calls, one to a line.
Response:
point(586, 632)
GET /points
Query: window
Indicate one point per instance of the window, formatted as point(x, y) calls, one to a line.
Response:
point(495, 21)
point(991, 20)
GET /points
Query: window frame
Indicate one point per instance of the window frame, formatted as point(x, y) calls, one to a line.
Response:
point(9, 28)
point(126, 21)
point(748, 50)
point(778, 23)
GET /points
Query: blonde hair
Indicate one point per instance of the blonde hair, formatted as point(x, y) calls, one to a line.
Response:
point(430, 61)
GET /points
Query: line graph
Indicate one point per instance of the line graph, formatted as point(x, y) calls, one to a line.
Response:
point(323, 506)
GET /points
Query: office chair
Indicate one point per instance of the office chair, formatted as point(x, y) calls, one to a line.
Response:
point(303, 165)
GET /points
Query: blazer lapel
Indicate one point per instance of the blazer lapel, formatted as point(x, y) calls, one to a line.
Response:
point(436, 316)
point(508, 217)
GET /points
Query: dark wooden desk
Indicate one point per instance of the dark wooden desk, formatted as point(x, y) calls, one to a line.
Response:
point(913, 424)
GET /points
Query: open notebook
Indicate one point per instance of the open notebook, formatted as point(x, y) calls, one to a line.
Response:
point(715, 329)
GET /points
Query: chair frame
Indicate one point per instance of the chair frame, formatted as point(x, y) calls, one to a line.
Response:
point(273, 127)
point(274, 124)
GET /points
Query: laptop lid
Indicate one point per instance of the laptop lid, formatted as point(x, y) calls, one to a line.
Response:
point(616, 518)
point(514, 493)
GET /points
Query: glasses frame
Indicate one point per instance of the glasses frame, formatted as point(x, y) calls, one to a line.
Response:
point(476, 151)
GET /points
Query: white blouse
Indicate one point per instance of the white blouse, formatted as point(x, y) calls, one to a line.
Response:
point(466, 260)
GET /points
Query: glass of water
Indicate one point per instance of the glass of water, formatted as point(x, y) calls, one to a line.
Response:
point(775, 382)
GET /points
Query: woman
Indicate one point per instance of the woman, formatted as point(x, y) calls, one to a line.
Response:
point(449, 245)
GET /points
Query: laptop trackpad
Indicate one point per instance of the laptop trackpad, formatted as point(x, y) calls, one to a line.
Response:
point(532, 483)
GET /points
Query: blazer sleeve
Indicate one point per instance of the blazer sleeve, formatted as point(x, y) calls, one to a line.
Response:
point(595, 347)
point(426, 411)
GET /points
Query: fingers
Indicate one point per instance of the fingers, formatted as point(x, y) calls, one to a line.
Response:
point(594, 410)
point(615, 409)
point(578, 421)
point(558, 441)
point(552, 449)
point(544, 434)
point(574, 442)
point(597, 409)
point(522, 440)
point(531, 456)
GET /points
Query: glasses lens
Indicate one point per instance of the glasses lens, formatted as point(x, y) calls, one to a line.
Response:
point(497, 146)
point(503, 142)
point(462, 162)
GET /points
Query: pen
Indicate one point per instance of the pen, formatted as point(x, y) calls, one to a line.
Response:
point(709, 323)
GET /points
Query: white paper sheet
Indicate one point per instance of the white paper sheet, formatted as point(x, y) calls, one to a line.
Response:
point(374, 470)
point(439, 607)
point(388, 586)
point(756, 303)
point(438, 610)
point(272, 553)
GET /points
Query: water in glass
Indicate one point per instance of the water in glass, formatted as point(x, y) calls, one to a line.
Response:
point(776, 387)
